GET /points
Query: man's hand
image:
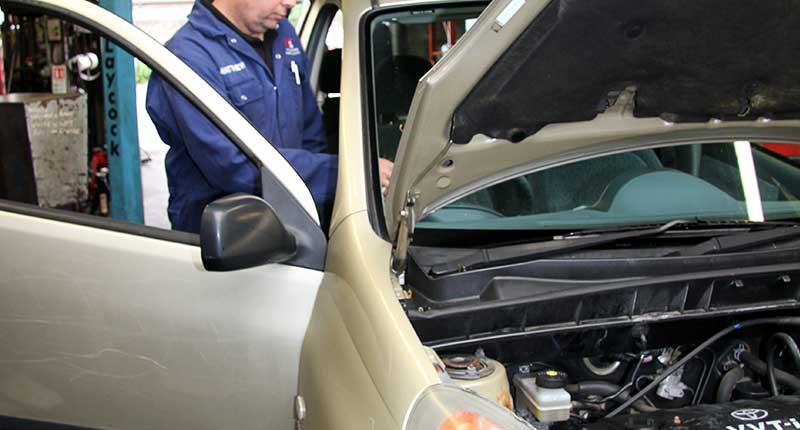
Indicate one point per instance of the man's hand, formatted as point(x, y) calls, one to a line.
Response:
point(385, 168)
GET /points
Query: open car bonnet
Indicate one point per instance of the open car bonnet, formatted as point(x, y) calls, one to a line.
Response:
point(536, 83)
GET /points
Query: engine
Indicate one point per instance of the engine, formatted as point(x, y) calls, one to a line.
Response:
point(723, 383)
point(779, 413)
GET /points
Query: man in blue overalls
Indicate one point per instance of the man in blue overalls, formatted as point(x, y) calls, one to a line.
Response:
point(248, 51)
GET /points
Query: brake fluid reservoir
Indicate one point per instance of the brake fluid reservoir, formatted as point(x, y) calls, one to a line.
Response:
point(481, 375)
point(544, 395)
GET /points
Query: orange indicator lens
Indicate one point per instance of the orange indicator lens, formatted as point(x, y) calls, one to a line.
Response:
point(468, 421)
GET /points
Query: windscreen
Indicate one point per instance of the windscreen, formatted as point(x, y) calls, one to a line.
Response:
point(722, 181)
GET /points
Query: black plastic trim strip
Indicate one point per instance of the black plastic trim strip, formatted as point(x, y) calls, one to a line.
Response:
point(94, 221)
point(312, 245)
point(703, 310)
point(604, 288)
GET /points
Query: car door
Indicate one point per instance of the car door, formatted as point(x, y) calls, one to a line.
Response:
point(108, 324)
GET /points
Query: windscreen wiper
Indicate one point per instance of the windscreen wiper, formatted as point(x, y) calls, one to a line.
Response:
point(590, 238)
point(528, 251)
point(738, 242)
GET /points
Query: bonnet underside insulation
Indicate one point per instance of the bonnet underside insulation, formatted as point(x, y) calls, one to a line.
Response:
point(689, 60)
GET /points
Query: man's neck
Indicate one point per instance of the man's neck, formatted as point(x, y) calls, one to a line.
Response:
point(228, 10)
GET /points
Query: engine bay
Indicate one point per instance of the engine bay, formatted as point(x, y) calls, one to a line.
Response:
point(596, 343)
point(724, 385)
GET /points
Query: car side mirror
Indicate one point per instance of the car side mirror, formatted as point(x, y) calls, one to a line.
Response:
point(241, 231)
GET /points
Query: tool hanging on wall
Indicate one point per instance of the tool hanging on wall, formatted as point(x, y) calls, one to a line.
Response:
point(87, 66)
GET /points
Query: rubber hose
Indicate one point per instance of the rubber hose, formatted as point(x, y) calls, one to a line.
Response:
point(597, 388)
point(728, 383)
point(604, 388)
point(691, 354)
point(760, 367)
point(640, 405)
point(772, 348)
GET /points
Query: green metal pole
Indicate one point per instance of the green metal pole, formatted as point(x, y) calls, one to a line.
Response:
point(122, 135)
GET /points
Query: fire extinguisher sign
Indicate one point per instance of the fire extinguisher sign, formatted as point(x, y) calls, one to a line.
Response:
point(59, 78)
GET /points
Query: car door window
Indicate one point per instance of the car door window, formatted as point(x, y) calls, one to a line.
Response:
point(55, 153)
point(57, 148)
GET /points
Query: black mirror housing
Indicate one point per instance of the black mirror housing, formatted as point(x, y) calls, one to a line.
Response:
point(242, 231)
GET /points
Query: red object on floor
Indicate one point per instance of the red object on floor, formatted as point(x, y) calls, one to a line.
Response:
point(98, 161)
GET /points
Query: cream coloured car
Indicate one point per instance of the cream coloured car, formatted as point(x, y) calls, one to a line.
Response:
point(591, 221)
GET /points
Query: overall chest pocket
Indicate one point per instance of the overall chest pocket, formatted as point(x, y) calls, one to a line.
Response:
point(248, 97)
point(246, 92)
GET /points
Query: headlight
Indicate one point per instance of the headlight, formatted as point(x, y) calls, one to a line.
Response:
point(447, 407)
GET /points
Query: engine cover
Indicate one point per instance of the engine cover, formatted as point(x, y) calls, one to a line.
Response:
point(777, 413)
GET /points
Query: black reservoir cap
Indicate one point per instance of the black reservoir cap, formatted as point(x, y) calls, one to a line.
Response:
point(551, 379)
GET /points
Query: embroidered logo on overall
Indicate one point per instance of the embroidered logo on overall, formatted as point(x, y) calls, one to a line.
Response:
point(290, 48)
point(232, 68)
